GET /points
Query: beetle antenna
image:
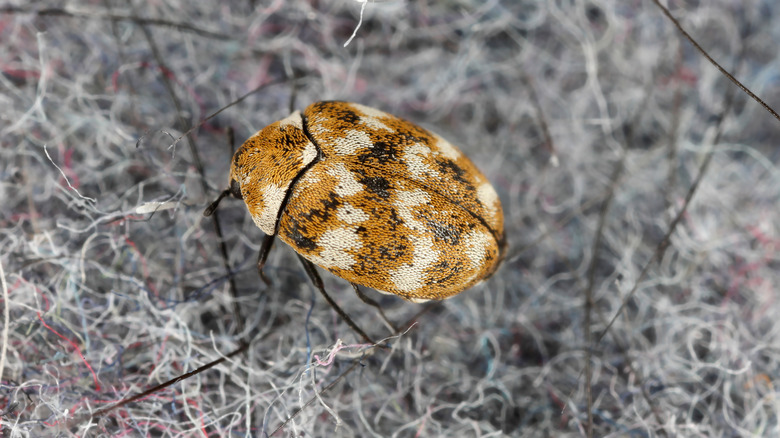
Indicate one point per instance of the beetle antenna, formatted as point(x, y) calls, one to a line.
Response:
point(213, 206)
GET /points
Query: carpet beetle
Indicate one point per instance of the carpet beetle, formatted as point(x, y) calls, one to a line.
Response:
point(372, 198)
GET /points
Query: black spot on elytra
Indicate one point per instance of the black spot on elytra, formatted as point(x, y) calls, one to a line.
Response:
point(290, 141)
point(329, 205)
point(377, 185)
point(373, 260)
point(455, 269)
point(394, 220)
point(449, 167)
point(441, 266)
point(442, 272)
point(319, 106)
point(336, 110)
point(367, 268)
point(381, 152)
point(347, 116)
point(446, 232)
point(392, 252)
point(409, 138)
point(296, 233)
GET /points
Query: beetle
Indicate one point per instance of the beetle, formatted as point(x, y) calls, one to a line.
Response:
point(372, 198)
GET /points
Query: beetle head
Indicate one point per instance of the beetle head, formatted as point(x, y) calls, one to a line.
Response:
point(264, 167)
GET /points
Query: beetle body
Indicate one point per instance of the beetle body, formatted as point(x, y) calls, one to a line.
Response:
point(372, 198)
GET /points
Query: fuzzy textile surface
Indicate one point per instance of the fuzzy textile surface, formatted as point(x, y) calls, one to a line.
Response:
point(641, 191)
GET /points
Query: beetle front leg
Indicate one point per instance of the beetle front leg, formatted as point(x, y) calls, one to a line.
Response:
point(265, 248)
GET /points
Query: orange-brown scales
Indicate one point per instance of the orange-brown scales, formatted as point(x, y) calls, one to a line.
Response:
point(374, 199)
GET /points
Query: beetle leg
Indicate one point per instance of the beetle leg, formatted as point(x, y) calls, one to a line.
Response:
point(213, 206)
point(368, 300)
point(315, 278)
point(265, 248)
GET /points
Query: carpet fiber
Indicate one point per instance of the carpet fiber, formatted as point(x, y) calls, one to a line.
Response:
point(639, 296)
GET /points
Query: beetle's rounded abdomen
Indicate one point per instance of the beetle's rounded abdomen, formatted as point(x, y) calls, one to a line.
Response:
point(395, 236)
point(374, 199)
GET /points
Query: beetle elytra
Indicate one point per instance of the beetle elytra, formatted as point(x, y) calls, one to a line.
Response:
point(372, 198)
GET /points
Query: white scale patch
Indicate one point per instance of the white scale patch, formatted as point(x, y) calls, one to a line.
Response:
point(309, 153)
point(350, 214)
point(488, 197)
point(414, 157)
point(476, 245)
point(406, 201)
point(370, 117)
point(374, 123)
point(409, 277)
point(273, 196)
point(446, 148)
point(334, 244)
point(353, 141)
point(318, 130)
point(293, 119)
point(347, 185)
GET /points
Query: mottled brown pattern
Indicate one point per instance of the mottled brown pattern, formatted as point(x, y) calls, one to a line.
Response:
point(455, 179)
point(386, 205)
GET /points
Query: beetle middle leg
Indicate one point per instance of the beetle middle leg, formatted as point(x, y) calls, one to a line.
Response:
point(368, 300)
point(315, 278)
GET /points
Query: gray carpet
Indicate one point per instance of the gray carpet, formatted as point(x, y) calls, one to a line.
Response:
point(631, 171)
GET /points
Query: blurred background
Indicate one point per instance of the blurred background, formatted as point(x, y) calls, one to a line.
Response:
point(602, 129)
